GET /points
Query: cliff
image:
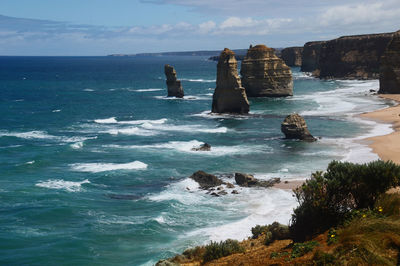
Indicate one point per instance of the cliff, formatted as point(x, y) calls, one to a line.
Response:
point(389, 78)
point(348, 57)
point(310, 56)
point(292, 56)
point(264, 74)
point(229, 95)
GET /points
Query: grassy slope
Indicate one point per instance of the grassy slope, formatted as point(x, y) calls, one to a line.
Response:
point(369, 237)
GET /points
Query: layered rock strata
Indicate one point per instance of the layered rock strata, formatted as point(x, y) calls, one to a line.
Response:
point(174, 85)
point(310, 56)
point(294, 127)
point(229, 95)
point(292, 56)
point(264, 74)
point(353, 57)
point(389, 78)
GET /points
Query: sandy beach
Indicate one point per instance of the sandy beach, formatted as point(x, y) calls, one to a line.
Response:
point(388, 146)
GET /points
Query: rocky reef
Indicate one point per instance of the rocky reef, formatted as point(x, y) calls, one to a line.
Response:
point(310, 56)
point(294, 127)
point(292, 56)
point(173, 84)
point(389, 78)
point(229, 95)
point(264, 74)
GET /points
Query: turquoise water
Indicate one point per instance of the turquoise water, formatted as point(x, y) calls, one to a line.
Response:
point(94, 158)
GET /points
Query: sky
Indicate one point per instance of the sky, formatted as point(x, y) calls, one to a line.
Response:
point(101, 27)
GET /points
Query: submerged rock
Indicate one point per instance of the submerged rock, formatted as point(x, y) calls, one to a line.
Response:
point(229, 95)
point(206, 180)
point(264, 74)
point(389, 79)
point(202, 147)
point(294, 127)
point(174, 86)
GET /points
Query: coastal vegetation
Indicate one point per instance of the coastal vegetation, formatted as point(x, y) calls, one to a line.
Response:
point(345, 216)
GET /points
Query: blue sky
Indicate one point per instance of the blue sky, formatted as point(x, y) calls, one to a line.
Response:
point(100, 27)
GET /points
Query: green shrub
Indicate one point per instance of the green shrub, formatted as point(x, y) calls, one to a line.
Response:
point(258, 230)
point(272, 232)
point(300, 249)
point(321, 258)
point(216, 250)
point(327, 198)
point(332, 236)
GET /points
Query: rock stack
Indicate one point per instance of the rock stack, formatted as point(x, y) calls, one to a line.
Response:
point(292, 56)
point(294, 127)
point(389, 78)
point(174, 86)
point(264, 74)
point(229, 95)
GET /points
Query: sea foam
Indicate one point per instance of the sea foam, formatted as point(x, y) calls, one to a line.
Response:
point(103, 167)
point(62, 184)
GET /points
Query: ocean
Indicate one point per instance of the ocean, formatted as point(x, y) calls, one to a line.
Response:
point(95, 159)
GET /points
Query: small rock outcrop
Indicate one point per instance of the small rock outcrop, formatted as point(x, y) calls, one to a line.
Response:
point(389, 78)
point(202, 147)
point(310, 56)
point(229, 95)
point(264, 74)
point(246, 180)
point(294, 127)
point(206, 180)
point(174, 86)
point(292, 56)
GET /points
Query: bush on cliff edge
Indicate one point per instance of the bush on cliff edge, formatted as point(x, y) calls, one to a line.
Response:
point(328, 197)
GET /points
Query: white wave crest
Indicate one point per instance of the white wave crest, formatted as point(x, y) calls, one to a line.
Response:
point(148, 90)
point(187, 146)
point(112, 120)
point(184, 128)
point(102, 167)
point(28, 135)
point(77, 145)
point(199, 80)
point(62, 184)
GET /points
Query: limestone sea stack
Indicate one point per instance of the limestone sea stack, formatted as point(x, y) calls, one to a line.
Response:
point(389, 78)
point(294, 127)
point(264, 74)
point(292, 56)
point(174, 86)
point(229, 95)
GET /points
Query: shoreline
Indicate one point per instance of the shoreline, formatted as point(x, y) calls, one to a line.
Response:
point(387, 146)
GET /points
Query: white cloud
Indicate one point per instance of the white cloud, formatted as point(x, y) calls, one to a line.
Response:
point(206, 27)
point(360, 14)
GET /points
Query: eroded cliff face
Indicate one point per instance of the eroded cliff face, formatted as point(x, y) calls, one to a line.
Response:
point(310, 56)
point(292, 56)
point(353, 57)
point(264, 74)
point(389, 78)
point(229, 95)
